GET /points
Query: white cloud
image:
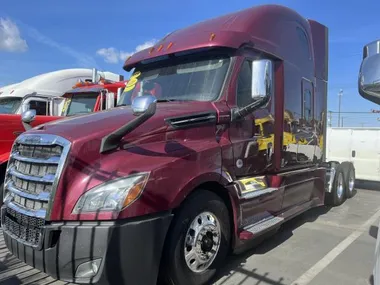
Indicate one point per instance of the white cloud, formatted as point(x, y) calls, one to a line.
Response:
point(83, 60)
point(113, 55)
point(10, 38)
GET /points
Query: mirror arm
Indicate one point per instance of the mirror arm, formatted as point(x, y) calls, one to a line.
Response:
point(26, 126)
point(239, 113)
point(111, 141)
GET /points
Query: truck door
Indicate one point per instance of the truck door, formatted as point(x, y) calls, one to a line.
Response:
point(36, 103)
point(300, 152)
point(252, 139)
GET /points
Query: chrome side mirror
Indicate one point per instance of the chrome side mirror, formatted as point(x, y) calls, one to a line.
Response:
point(27, 117)
point(262, 79)
point(142, 103)
point(369, 74)
point(110, 100)
point(261, 88)
point(120, 91)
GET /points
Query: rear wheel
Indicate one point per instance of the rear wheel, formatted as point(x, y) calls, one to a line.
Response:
point(349, 174)
point(338, 191)
point(197, 242)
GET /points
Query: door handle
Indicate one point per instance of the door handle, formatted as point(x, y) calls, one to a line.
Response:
point(353, 153)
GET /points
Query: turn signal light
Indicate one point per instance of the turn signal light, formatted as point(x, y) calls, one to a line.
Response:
point(134, 193)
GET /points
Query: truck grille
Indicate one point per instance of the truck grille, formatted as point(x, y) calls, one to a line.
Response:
point(33, 172)
point(23, 227)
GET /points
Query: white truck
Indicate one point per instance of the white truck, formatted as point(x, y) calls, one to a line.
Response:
point(361, 146)
point(37, 92)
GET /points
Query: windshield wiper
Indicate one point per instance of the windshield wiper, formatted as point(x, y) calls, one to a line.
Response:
point(166, 100)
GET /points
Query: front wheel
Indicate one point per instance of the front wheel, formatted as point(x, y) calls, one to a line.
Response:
point(198, 241)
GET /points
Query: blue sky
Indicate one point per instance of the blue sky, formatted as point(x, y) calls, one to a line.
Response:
point(54, 35)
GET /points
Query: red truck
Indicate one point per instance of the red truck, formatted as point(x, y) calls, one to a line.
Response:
point(85, 97)
point(163, 187)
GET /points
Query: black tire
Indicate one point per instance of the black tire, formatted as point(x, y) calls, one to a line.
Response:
point(174, 269)
point(336, 197)
point(349, 175)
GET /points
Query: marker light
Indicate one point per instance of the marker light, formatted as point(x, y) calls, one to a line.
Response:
point(212, 37)
point(170, 45)
point(160, 47)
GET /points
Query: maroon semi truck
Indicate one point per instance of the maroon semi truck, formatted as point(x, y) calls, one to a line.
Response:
point(164, 186)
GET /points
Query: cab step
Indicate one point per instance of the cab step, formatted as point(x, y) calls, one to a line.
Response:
point(250, 231)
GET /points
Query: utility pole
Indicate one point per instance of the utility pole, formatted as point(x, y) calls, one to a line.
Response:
point(330, 119)
point(340, 94)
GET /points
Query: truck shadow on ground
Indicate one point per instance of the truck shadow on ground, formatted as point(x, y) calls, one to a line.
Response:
point(9, 263)
point(235, 263)
point(368, 185)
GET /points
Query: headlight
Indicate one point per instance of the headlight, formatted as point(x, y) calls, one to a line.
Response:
point(112, 196)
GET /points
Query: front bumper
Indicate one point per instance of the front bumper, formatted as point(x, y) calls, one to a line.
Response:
point(129, 251)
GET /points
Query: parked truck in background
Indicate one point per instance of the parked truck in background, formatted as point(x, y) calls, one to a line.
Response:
point(361, 146)
point(36, 92)
point(86, 91)
point(166, 185)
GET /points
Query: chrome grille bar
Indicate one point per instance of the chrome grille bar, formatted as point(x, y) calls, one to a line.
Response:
point(43, 196)
point(41, 213)
point(51, 160)
point(48, 178)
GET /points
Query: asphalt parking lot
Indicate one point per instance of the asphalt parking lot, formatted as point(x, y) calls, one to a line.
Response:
point(322, 246)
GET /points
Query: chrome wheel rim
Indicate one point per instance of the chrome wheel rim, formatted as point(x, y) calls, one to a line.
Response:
point(351, 181)
point(202, 242)
point(340, 187)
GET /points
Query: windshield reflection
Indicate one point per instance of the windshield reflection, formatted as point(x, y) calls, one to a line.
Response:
point(9, 105)
point(185, 80)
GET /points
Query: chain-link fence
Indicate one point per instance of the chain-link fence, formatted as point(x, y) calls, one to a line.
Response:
point(353, 119)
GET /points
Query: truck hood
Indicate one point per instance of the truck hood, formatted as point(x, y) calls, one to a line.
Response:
point(96, 125)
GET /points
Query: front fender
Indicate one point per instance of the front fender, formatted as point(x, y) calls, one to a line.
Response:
point(197, 181)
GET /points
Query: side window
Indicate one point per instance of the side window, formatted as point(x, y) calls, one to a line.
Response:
point(307, 106)
point(39, 106)
point(244, 88)
point(304, 42)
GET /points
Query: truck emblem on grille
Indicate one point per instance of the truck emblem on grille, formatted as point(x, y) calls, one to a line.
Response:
point(33, 139)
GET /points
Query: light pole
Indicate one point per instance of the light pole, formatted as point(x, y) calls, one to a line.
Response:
point(340, 94)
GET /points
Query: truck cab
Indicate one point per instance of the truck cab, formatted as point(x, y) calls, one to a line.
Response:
point(37, 93)
point(87, 97)
point(175, 178)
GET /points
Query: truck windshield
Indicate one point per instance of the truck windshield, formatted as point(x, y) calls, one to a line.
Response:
point(9, 105)
point(181, 80)
point(79, 103)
